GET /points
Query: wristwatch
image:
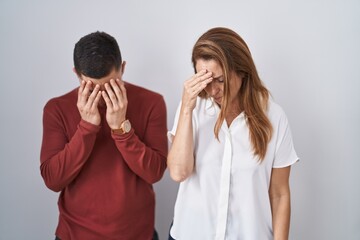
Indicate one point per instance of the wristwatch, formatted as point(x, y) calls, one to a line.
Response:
point(125, 127)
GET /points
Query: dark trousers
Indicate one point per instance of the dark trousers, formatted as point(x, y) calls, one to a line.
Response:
point(155, 236)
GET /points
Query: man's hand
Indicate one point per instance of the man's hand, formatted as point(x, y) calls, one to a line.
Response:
point(88, 102)
point(116, 103)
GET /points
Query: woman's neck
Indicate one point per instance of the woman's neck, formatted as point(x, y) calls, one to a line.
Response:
point(233, 111)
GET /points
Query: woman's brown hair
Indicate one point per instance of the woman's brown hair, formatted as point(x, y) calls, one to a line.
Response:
point(231, 52)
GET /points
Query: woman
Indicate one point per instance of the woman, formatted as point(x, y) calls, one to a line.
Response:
point(231, 148)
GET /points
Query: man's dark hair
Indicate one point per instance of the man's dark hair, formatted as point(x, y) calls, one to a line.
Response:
point(96, 55)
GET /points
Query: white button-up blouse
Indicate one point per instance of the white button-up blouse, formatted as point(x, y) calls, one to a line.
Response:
point(226, 196)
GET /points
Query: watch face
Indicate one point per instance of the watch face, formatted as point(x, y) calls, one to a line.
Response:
point(127, 126)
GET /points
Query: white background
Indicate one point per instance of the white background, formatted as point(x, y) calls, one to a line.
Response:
point(307, 53)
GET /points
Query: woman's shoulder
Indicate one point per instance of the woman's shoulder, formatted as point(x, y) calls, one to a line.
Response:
point(275, 112)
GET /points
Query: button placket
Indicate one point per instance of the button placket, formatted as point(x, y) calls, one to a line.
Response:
point(223, 204)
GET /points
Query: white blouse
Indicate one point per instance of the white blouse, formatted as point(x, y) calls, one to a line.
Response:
point(226, 196)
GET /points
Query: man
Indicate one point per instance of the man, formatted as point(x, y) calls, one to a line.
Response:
point(104, 145)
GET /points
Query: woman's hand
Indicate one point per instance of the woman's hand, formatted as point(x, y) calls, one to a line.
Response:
point(180, 159)
point(193, 87)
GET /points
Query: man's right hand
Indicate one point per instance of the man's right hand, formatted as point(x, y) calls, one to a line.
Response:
point(88, 102)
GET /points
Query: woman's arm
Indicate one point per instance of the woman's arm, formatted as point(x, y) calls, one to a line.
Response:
point(180, 159)
point(279, 194)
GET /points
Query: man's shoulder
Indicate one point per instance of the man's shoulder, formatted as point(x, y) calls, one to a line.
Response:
point(65, 100)
point(141, 93)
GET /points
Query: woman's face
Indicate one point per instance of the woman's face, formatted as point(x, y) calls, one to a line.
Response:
point(215, 89)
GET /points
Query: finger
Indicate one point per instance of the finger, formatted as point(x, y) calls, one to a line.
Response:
point(201, 73)
point(196, 85)
point(87, 88)
point(197, 89)
point(84, 92)
point(81, 88)
point(92, 96)
point(122, 88)
point(196, 75)
point(200, 78)
point(107, 99)
point(116, 88)
point(96, 100)
point(110, 93)
point(200, 87)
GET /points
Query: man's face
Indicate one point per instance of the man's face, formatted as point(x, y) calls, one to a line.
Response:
point(114, 74)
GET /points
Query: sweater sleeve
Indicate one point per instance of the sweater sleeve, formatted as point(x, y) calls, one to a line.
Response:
point(147, 158)
point(62, 158)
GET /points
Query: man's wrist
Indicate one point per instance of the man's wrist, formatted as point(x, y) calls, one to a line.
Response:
point(124, 128)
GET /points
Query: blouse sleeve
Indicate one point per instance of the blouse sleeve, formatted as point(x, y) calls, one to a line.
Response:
point(285, 154)
point(171, 133)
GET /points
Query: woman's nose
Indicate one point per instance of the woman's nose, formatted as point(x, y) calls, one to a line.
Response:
point(211, 89)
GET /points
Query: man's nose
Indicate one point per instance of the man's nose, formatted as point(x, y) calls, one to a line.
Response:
point(102, 87)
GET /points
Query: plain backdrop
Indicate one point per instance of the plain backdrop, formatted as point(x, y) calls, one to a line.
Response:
point(307, 53)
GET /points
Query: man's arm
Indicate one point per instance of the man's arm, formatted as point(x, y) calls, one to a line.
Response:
point(147, 158)
point(61, 158)
point(279, 193)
